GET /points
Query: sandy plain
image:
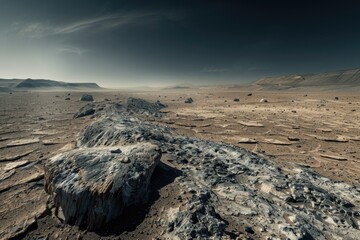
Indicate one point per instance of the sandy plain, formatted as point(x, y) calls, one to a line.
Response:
point(319, 130)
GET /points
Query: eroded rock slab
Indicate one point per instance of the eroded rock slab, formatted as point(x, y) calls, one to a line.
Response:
point(92, 186)
point(22, 142)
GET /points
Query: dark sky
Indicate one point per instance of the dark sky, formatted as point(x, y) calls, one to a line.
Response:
point(152, 43)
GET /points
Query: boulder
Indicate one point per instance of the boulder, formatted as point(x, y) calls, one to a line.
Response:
point(92, 186)
point(87, 98)
point(86, 110)
point(189, 100)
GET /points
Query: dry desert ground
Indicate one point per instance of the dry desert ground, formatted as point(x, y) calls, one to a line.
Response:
point(319, 131)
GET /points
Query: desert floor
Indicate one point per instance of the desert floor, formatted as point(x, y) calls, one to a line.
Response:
point(320, 130)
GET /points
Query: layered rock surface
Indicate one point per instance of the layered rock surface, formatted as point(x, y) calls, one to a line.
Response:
point(229, 188)
point(91, 186)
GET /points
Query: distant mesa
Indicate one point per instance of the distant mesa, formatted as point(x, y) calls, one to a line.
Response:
point(7, 85)
point(180, 86)
point(344, 78)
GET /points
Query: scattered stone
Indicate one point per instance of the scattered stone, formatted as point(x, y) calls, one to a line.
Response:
point(87, 98)
point(335, 157)
point(263, 100)
point(67, 99)
point(249, 230)
point(293, 139)
point(325, 130)
point(249, 94)
point(337, 139)
point(336, 98)
point(49, 142)
point(276, 142)
point(236, 100)
point(247, 140)
point(251, 124)
point(118, 150)
point(86, 110)
point(189, 100)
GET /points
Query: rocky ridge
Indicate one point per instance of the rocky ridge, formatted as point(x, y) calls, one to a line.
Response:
point(229, 188)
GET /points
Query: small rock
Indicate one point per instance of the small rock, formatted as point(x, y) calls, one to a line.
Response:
point(125, 160)
point(263, 100)
point(249, 230)
point(236, 100)
point(118, 150)
point(67, 98)
point(189, 100)
point(85, 111)
point(293, 139)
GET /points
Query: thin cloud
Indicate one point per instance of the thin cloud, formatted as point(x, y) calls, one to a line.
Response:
point(41, 30)
point(73, 50)
point(216, 70)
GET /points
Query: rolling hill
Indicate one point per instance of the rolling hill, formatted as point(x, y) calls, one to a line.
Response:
point(7, 85)
point(334, 79)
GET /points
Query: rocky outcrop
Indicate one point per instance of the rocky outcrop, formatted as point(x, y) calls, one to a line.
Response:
point(92, 186)
point(228, 187)
point(140, 106)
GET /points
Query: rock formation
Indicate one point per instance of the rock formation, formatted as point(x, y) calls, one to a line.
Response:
point(228, 187)
point(92, 186)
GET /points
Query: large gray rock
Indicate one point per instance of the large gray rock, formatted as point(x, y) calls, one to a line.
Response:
point(87, 98)
point(92, 186)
